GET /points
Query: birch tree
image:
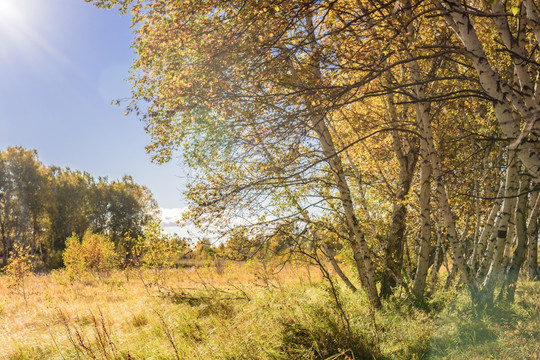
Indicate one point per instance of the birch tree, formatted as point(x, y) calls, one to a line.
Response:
point(300, 111)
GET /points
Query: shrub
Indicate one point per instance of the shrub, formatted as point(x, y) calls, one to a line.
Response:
point(19, 266)
point(95, 254)
point(318, 333)
point(156, 251)
point(74, 261)
point(99, 253)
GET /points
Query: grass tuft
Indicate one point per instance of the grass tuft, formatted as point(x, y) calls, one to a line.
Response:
point(230, 313)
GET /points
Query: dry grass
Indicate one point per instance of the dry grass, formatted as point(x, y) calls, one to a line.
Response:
point(136, 313)
point(249, 311)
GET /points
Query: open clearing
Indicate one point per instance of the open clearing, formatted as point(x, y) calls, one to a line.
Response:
point(249, 311)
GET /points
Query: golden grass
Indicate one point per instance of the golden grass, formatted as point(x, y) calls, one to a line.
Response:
point(250, 311)
point(133, 311)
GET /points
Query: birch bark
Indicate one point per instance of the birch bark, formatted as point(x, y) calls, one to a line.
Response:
point(392, 274)
point(448, 217)
point(532, 235)
point(503, 234)
point(502, 94)
point(359, 244)
point(425, 223)
point(487, 231)
point(521, 247)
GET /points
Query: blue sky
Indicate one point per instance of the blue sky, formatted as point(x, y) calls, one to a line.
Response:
point(61, 64)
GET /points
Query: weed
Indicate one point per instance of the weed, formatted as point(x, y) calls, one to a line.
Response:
point(139, 320)
point(102, 346)
point(226, 316)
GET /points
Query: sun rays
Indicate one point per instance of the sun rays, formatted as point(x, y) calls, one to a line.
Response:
point(23, 34)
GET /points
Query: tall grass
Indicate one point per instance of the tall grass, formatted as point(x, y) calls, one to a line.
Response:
point(243, 311)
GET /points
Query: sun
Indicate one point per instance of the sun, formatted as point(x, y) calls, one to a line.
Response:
point(22, 21)
point(14, 25)
point(24, 29)
point(10, 15)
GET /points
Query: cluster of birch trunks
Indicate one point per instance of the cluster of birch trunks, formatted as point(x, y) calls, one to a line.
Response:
point(506, 236)
point(411, 127)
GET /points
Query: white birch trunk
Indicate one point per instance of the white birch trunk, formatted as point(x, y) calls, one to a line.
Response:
point(503, 234)
point(330, 254)
point(358, 243)
point(485, 263)
point(425, 223)
point(358, 180)
point(456, 16)
point(392, 274)
point(427, 134)
point(532, 236)
point(521, 234)
point(487, 231)
point(439, 256)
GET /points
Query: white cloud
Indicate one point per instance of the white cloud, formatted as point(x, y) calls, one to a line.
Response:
point(169, 217)
point(171, 222)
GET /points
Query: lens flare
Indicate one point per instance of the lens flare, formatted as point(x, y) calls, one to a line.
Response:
point(21, 32)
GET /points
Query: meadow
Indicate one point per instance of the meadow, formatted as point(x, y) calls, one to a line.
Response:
point(250, 310)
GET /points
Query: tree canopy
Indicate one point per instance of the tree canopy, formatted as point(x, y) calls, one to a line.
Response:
point(401, 132)
point(40, 207)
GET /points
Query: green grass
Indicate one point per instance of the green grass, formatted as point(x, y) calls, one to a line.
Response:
point(508, 331)
point(230, 315)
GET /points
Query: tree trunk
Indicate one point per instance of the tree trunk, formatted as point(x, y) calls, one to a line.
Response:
point(358, 243)
point(437, 262)
point(482, 244)
point(521, 233)
point(425, 223)
point(486, 295)
point(503, 234)
point(331, 257)
point(393, 255)
point(456, 16)
point(532, 235)
point(427, 134)
point(444, 203)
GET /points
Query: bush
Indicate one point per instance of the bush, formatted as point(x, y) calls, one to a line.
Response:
point(74, 262)
point(95, 254)
point(19, 266)
point(319, 333)
point(156, 251)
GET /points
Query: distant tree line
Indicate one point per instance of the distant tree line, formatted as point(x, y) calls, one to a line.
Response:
point(40, 207)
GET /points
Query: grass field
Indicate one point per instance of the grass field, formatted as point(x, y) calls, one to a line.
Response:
point(250, 311)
